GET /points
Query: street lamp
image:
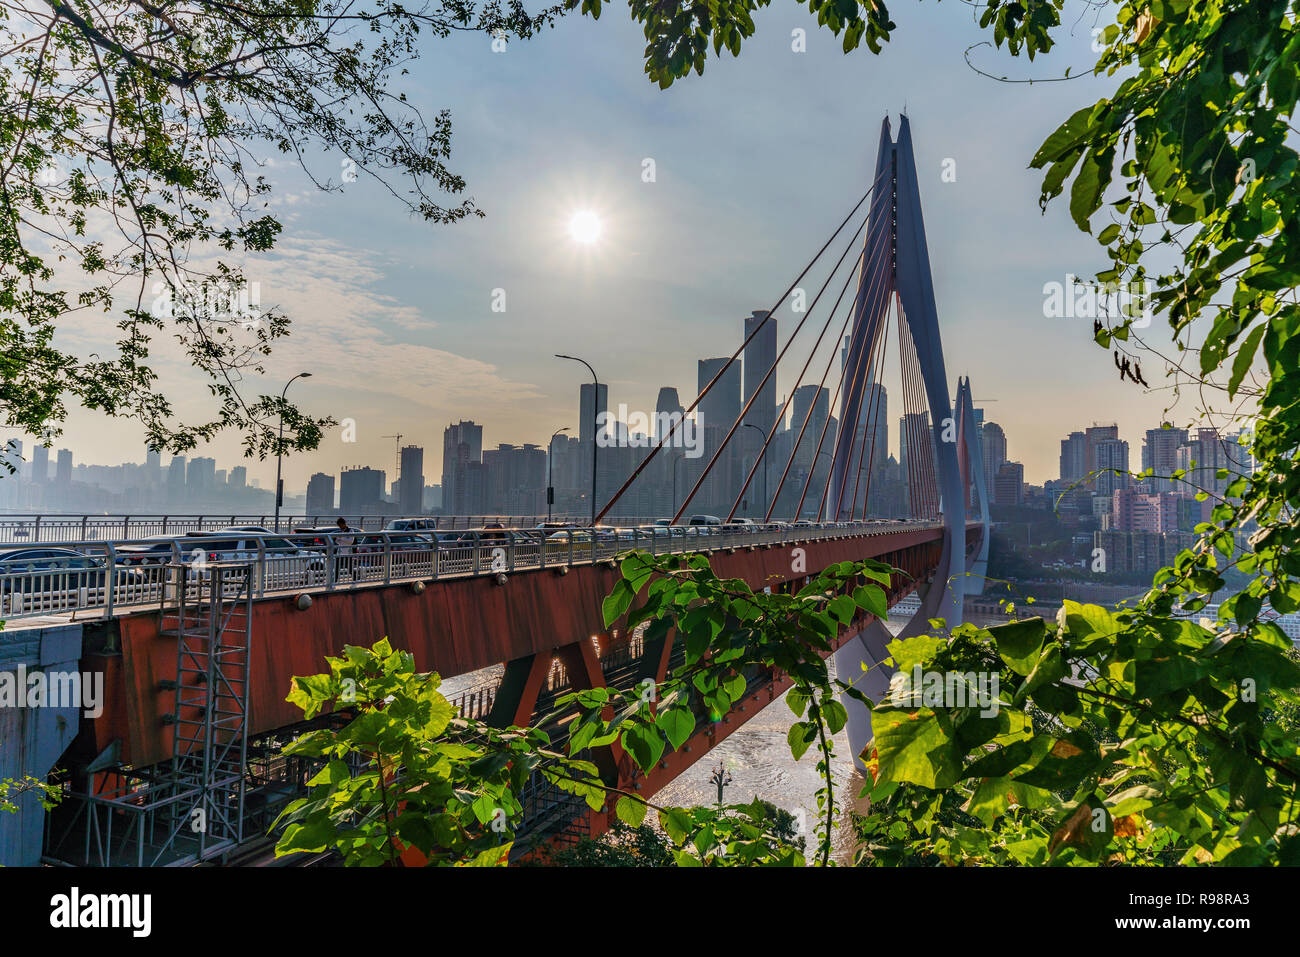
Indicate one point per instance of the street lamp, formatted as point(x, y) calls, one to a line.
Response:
point(766, 439)
point(550, 461)
point(279, 482)
point(595, 430)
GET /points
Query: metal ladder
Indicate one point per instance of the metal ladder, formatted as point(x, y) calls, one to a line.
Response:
point(211, 621)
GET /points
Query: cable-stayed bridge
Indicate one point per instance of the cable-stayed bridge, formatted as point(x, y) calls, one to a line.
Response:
point(197, 648)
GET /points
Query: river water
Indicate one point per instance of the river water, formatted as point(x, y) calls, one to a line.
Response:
point(758, 762)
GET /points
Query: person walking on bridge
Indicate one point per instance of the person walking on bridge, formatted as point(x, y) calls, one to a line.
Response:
point(343, 543)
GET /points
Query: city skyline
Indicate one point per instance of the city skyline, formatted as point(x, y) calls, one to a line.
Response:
point(395, 318)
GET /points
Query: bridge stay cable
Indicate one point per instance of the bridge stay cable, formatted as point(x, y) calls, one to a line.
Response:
point(770, 433)
point(863, 265)
point(667, 436)
point(881, 275)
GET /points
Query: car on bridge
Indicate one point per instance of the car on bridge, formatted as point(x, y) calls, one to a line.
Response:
point(704, 520)
point(60, 579)
point(154, 550)
point(283, 556)
point(412, 525)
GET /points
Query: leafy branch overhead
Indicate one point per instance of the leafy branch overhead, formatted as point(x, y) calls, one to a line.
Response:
point(133, 142)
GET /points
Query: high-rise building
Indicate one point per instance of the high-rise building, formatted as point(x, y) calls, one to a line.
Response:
point(1092, 436)
point(462, 447)
point(721, 407)
point(320, 494)
point(176, 479)
point(1110, 461)
point(1160, 455)
point(1009, 484)
point(717, 412)
point(760, 358)
point(361, 490)
point(63, 467)
point(410, 499)
point(40, 464)
point(152, 468)
point(994, 444)
point(593, 418)
point(200, 475)
point(515, 479)
point(239, 478)
point(1074, 458)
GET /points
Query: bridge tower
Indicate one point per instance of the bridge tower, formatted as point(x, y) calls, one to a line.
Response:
point(900, 275)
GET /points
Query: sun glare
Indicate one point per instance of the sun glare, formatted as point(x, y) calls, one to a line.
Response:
point(584, 227)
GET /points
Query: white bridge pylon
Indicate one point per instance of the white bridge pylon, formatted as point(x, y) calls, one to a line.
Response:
point(958, 461)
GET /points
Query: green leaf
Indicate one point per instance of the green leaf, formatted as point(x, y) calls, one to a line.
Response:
point(644, 743)
point(677, 723)
point(630, 811)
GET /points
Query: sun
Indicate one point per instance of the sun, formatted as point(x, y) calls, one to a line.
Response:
point(584, 227)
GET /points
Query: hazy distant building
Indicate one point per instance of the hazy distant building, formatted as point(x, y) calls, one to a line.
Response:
point(176, 480)
point(320, 494)
point(200, 476)
point(515, 479)
point(40, 464)
point(63, 467)
point(361, 491)
point(760, 358)
point(411, 493)
point(462, 460)
point(239, 477)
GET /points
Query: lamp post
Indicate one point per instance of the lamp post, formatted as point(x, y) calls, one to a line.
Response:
point(595, 431)
point(766, 439)
point(279, 482)
point(550, 461)
point(677, 460)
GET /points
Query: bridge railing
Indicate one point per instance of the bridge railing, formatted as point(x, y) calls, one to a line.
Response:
point(104, 578)
point(73, 529)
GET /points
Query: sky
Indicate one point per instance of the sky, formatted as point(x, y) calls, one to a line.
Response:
point(755, 163)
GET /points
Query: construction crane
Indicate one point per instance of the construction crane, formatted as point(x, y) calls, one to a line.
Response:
point(397, 452)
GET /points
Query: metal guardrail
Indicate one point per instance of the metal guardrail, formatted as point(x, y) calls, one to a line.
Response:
point(70, 529)
point(117, 576)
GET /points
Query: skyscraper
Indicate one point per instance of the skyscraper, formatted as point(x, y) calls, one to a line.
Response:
point(63, 467)
point(40, 464)
point(760, 358)
point(411, 495)
point(320, 494)
point(462, 454)
point(1160, 454)
point(721, 407)
point(361, 490)
point(668, 413)
point(1074, 457)
point(1092, 436)
point(1111, 458)
point(994, 442)
point(718, 410)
